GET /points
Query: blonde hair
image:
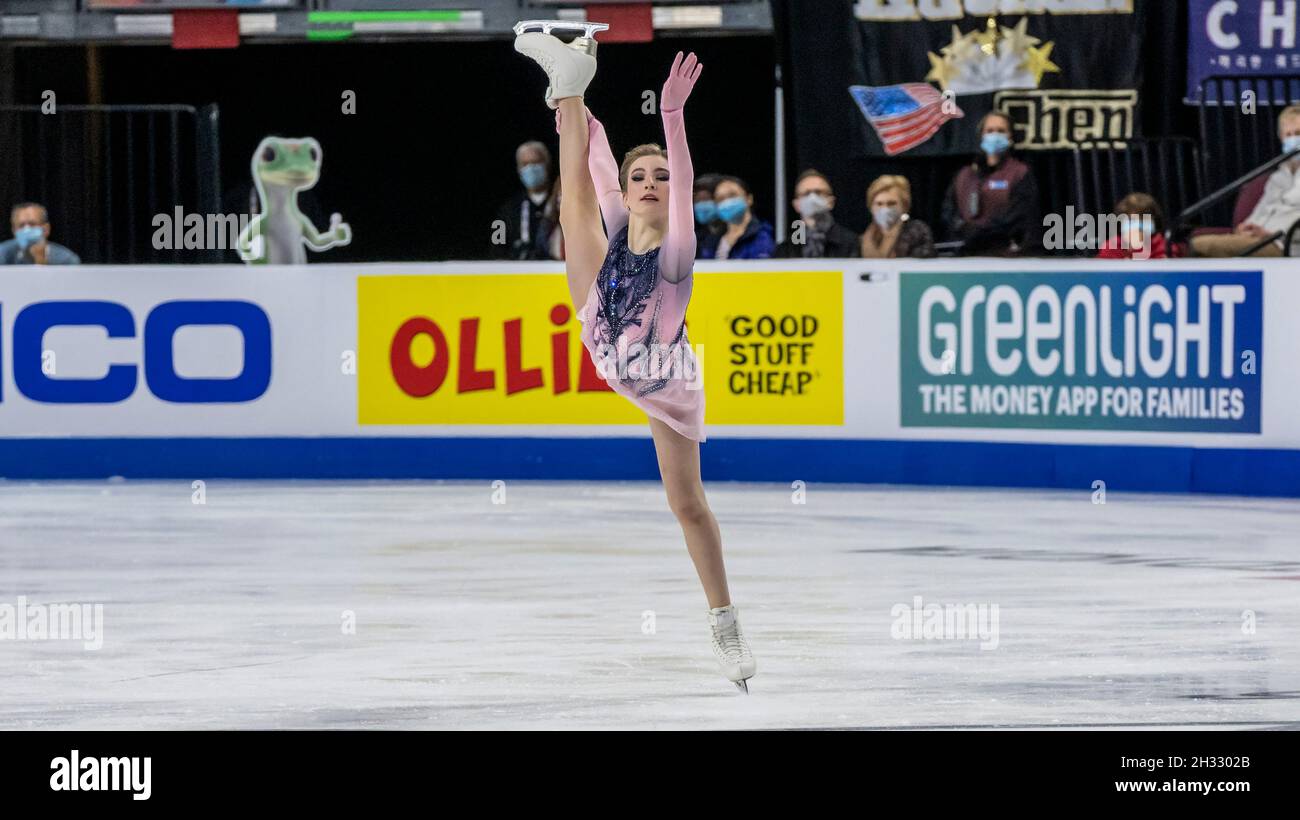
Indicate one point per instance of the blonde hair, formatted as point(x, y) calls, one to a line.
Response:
point(649, 149)
point(1287, 113)
point(885, 183)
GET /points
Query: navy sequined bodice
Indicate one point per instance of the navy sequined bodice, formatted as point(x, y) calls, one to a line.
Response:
point(624, 285)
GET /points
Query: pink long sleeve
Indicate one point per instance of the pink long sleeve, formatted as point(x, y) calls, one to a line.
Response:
point(677, 258)
point(604, 174)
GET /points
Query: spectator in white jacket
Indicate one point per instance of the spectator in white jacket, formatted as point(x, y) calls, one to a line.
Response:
point(1278, 208)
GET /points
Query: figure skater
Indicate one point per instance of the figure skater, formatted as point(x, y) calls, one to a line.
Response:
point(632, 281)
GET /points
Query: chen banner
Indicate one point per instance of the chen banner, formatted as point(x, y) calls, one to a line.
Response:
point(1065, 76)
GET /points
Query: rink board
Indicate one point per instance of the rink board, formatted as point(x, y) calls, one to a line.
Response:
point(1142, 375)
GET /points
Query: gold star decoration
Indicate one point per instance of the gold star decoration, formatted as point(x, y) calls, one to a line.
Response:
point(962, 45)
point(942, 69)
point(1038, 62)
point(1018, 40)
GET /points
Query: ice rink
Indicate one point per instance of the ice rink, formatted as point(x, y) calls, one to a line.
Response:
point(575, 605)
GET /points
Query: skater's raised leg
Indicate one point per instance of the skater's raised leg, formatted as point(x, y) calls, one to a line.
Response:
point(585, 244)
point(569, 67)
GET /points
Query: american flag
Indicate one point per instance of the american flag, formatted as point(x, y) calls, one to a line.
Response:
point(904, 116)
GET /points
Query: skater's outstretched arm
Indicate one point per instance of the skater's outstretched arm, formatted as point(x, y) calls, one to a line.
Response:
point(677, 258)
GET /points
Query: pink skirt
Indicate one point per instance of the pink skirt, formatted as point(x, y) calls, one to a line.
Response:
point(679, 402)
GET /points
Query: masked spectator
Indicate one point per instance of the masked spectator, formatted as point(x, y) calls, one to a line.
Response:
point(746, 236)
point(31, 244)
point(992, 203)
point(707, 221)
point(893, 232)
point(523, 213)
point(821, 236)
point(1145, 237)
point(1278, 208)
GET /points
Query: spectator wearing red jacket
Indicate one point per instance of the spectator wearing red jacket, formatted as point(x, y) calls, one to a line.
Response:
point(1145, 214)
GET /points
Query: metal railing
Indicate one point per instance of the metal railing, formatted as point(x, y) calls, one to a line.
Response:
point(1167, 168)
point(1238, 124)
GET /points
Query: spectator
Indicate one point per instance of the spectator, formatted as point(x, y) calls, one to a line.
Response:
point(893, 233)
point(522, 213)
point(822, 236)
point(1278, 208)
point(707, 222)
point(31, 244)
point(992, 204)
point(1146, 229)
point(746, 236)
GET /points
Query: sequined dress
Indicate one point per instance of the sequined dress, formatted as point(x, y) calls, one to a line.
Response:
point(633, 321)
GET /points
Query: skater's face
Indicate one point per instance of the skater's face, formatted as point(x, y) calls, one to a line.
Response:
point(647, 188)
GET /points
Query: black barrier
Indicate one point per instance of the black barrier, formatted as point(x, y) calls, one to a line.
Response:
point(1168, 168)
point(105, 171)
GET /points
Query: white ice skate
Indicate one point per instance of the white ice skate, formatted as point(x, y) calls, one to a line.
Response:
point(730, 648)
point(569, 66)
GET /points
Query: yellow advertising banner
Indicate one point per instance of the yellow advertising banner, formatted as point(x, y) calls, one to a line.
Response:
point(507, 349)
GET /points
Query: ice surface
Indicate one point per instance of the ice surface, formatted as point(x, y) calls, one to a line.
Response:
point(531, 614)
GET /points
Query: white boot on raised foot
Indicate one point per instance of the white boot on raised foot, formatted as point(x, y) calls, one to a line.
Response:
point(730, 648)
point(569, 66)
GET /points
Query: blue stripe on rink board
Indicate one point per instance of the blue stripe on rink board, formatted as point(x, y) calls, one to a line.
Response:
point(982, 464)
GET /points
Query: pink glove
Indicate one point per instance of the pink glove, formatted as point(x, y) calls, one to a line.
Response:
point(681, 79)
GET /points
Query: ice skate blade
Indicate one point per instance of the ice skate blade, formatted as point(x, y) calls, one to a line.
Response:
point(547, 26)
point(742, 685)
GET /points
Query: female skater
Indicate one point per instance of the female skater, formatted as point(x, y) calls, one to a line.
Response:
point(632, 288)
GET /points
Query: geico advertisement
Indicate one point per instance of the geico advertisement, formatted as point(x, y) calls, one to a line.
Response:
point(72, 352)
point(507, 349)
point(1177, 352)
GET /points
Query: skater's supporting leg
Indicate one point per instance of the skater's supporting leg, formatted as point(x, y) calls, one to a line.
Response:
point(584, 237)
point(679, 465)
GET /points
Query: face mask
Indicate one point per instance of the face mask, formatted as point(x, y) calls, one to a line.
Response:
point(886, 218)
point(995, 143)
point(29, 236)
point(706, 211)
point(532, 175)
point(1290, 144)
point(732, 210)
point(811, 205)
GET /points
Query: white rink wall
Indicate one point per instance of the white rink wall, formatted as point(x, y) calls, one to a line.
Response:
point(281, 370)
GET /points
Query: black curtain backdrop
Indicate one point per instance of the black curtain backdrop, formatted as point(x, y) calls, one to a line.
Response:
point(825, 129)
point(420, 170)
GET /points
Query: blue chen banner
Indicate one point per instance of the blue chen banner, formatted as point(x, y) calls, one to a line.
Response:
point(1241, 38)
